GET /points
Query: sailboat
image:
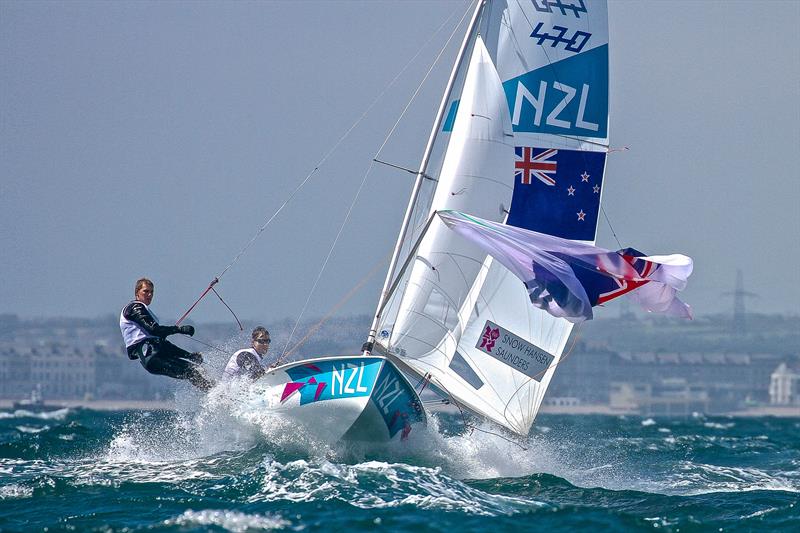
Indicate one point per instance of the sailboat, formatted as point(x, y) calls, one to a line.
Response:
point(520, 140)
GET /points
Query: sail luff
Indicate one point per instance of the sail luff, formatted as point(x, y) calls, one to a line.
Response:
point(527, 141)
point(429, 325)
point(423, 167)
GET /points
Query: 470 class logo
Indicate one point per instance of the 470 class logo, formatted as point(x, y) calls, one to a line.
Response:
point(546, 6)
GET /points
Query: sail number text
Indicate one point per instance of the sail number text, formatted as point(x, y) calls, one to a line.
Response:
point(565, 93)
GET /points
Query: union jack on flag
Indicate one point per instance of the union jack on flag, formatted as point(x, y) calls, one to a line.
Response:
point(623, 286)
point(529, 164)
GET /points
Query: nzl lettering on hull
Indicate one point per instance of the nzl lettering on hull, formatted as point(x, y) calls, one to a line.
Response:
point(329, 380)
point(396, 402)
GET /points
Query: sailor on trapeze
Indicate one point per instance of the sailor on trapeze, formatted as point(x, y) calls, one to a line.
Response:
point(146, 340)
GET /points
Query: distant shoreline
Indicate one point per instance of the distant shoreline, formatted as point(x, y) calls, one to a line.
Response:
point(767, 410)
point(169, 405)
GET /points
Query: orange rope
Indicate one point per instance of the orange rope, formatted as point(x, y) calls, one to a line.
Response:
point(336, 307)
point(210, 287)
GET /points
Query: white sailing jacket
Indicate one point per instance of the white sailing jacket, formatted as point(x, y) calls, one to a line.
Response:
point(244, 362)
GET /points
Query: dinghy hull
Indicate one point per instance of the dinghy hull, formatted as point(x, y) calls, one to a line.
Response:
point(344, 398)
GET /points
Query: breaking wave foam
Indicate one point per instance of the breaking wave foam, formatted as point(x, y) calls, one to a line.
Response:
point(298, 466)
point(228, 520)
point(58, 414)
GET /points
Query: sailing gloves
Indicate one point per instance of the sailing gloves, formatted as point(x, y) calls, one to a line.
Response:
point(186, 330)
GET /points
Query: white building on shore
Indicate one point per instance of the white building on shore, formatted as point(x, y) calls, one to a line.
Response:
point(784, 386)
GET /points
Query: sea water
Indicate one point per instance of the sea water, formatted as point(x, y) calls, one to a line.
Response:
point(207, 467)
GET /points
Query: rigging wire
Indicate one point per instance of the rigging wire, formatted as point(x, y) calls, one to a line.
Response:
point(328, 257)
point(229, 308)
point(335, 308)
point(319, 165)
point(210, 285)
point(369, 170)
point(207, 344)
point(424, 79)
point(608, 221)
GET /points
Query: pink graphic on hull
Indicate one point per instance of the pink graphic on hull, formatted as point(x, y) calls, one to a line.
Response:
point(320, 388)
point(406, 426)
point(291, 388)
point(294, 386)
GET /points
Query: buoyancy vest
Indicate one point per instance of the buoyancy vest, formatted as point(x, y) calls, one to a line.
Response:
point(233, 369)
point(133, 333)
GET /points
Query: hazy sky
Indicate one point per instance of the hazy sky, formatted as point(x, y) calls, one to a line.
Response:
point(155, 138)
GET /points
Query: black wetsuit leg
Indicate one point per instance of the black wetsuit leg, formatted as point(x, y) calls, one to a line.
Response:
point(165, 359)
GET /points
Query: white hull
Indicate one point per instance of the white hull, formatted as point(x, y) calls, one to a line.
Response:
point(351, 398)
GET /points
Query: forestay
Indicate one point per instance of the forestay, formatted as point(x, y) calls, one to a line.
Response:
point(526, 142)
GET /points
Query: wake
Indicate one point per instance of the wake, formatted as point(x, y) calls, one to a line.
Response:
point(233, 419)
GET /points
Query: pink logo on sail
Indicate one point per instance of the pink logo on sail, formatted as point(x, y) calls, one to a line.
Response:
point(490, 336)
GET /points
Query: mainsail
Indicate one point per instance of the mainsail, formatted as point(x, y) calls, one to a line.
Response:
point(525, 140)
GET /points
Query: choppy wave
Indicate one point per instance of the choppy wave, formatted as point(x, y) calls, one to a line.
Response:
point(58, 414)
point(228, 520)
point(213, 465)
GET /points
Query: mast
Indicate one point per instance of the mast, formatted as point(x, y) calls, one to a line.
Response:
point(437, 124)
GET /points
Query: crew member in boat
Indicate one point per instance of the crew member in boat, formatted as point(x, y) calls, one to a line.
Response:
point(250, 361)
point(146, 340)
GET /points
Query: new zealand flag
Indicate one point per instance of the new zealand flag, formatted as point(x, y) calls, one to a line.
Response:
point(600, 278)
point(557, 191)
point(567, 278)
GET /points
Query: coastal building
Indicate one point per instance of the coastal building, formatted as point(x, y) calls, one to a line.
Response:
point(784, 386)
point(646, 366)
point(666, 382)
point(15, 371)
point(669, 397)
point(58, 370)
